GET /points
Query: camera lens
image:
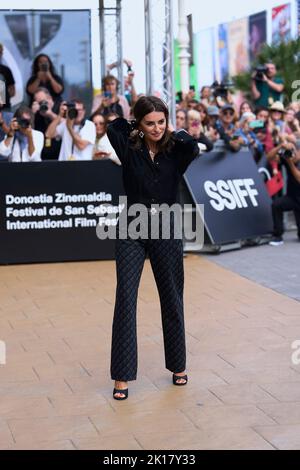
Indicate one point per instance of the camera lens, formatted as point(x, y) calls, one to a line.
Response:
point(23, 123)
point(72, 113)
point(43, 106)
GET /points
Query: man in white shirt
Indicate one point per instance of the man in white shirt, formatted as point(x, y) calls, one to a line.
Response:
point(78, 134)
point(22, 143)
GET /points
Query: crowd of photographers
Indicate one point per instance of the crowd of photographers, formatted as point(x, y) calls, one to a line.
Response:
point(263, 126)
point(50, 128)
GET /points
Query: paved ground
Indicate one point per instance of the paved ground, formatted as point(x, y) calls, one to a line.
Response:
point(56, 393)
point(275, 267)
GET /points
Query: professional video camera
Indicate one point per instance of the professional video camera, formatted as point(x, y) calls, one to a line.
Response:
point(221, 89)
point(260, 70)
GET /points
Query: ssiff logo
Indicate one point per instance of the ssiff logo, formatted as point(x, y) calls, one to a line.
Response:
point(2, 353)
point(296, 354)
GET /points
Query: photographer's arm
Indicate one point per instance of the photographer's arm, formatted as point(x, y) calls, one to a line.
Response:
point(255, 93)
point(10, 137)
point(33, 86)
point(254, 90)
point(51, 131)
point(278, 87)
point(77, 140)
point(3, 125)
point(56, 86)
point(272, 155)
point(31, 147)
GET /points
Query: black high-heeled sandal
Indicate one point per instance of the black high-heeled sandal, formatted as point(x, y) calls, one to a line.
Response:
point(123, 392)
point(180, 377)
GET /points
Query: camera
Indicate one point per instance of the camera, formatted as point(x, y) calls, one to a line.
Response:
point(130, 71)
point(72, 112)
point(43, 106)
point(23, 123)
point(260, 70)
point(221, 89)
point(286, 153)
point(44, 67)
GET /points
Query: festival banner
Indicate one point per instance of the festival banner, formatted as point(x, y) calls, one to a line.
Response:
point(238, 41)
point(281, 24)
point(257, 33)
point(223, 51)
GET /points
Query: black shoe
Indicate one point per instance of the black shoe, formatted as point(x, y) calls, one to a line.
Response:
point(176, 378)
point(276, 241)
point(122, 392)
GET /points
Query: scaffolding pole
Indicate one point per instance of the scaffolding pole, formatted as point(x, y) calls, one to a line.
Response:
point(111, 45)
point(160, 71)
point(148, 48)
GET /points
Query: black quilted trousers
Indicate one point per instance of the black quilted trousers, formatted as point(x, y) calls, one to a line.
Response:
point(166, 258)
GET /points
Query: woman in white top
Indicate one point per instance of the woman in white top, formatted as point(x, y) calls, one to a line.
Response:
point(103, 150)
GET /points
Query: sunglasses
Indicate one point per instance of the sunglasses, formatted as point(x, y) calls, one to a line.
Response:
point(226, 113)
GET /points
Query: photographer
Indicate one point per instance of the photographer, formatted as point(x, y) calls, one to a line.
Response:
point(5, 119)
point(226, 128)
point(22, 143)
point(45, 111)
point(247, 137)
point(288, 155)
point(77, 133)
point(222, 94)
point(206, 96)
point(110, 101)
point(266, 86)
point(43, 75)
point(195, 129)
point(103, 150)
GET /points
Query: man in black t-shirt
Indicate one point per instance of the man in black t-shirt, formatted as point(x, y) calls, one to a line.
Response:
point(7, 78)
point(291, 201)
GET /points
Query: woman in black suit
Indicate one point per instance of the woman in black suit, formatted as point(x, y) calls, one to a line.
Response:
point(153, 158)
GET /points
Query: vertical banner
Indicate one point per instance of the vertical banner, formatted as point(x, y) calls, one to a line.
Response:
point(223, 51)
point(257, 33)
point(281, 24)
point(204, 57)
point(238, 40)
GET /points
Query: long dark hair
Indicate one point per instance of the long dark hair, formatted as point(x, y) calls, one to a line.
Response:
point(35, 66)
point(146, 105)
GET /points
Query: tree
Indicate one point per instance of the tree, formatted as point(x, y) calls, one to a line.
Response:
point(286, 57)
